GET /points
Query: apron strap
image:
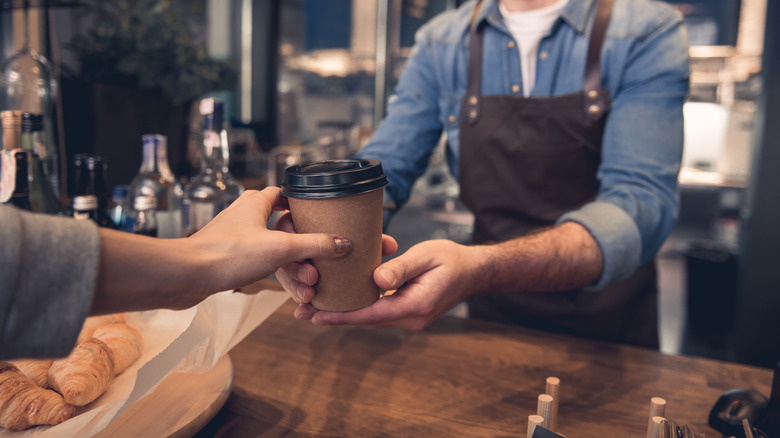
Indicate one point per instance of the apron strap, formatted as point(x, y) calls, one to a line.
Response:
point(474, 68)
point(596, 100)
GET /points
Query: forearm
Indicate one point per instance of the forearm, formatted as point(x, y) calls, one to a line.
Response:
point(141, 273)
point(561, 258)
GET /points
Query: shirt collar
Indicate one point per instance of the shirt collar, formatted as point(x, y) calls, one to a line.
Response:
point(576, 13)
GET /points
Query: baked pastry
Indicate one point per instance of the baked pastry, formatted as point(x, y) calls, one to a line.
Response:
point(85, 374)
point(35, 369)
point(125, 343)
point(24, 404)
point(93, 322)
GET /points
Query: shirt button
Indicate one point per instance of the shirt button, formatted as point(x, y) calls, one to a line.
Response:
point(452, 118)
point(510, 45)
point(543, 54)
point(515, 88)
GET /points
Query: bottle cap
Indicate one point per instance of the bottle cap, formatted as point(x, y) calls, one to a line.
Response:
point(145, 202)
point(333, 178)
point(154, 139)
point(12, 128)
point(85, 202)
point(213, 111)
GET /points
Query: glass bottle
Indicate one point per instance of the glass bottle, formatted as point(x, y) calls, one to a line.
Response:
point(156, 179)
point(214, 187)
point(16, 175)
point(120, 207)
point(145, 217)
point(90, 179)
point(26, 79)
point(14, 182)
point(12, 128)
point(85, 207)
point(46, 153)
point(42, 197)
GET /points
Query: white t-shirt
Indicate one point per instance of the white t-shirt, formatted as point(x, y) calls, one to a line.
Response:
point(528, 28)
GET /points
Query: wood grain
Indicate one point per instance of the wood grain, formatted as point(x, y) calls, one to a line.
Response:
point(459, 377)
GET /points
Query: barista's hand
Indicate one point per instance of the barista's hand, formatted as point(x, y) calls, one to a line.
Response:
point(431, 278)
point(298, 278)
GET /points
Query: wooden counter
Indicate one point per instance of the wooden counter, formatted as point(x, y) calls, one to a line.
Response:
point(458, 378)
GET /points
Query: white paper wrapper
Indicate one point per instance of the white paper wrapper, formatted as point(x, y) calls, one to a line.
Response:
point(191, 340)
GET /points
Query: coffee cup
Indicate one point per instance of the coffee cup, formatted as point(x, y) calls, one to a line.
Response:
point(344, 198)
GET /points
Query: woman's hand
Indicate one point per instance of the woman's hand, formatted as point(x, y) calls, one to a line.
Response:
point(249, 251)
point(235, 249)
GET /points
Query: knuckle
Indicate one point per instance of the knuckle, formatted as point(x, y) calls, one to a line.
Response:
point(324, 244)
point(426, 310)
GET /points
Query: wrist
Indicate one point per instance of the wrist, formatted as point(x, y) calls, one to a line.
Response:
point(484, 269)
point(202, 266)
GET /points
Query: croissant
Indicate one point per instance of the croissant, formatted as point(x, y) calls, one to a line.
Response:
point(93, 322)
point(85, 374)
point(24, 404)
point(125, 343)
point(35, 369)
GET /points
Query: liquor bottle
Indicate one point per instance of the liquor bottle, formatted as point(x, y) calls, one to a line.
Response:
point(85, 207)
point(120, 208)
point(42, 195)
point(155, 179)
point(214, 187)
point(90, 179)
point(47, 154)
point(20, 194)
point(12, 128)
point(145, 218)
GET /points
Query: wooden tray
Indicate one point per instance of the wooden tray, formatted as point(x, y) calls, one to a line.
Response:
point(179, 407)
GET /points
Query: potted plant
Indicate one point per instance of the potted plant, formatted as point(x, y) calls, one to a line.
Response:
point(143, 63)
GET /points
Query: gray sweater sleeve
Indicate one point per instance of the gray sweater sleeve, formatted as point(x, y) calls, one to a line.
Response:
point(48, 271)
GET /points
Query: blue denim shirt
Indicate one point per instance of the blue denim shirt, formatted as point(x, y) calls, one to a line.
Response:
point(645, 66)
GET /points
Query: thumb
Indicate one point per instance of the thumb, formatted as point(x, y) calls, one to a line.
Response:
point(317, 246)
point(397, 271)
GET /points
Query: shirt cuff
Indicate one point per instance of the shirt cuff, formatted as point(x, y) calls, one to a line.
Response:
point(618, 236)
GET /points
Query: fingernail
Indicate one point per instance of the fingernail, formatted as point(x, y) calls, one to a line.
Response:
point(317, 321)
point(387, 275)
point(342, 245)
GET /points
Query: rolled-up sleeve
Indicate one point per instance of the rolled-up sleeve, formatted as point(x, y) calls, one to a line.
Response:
point(637, 204)
point(48, 275)
point(616, 234)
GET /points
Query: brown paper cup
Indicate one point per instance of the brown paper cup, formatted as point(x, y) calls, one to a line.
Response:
point(345, 283)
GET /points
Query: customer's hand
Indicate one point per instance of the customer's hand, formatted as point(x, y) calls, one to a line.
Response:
point(235, 249)
point(424, 283)
point(299, 277)
point(240, 237)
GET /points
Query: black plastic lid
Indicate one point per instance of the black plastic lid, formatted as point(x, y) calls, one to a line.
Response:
point(333, 178)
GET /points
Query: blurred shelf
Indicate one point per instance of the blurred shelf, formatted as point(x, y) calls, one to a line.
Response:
point(22, 4)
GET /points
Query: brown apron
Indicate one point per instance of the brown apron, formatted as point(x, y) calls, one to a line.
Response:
point(524, 161)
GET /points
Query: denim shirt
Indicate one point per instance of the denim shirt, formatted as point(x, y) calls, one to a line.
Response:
point(645, 67)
